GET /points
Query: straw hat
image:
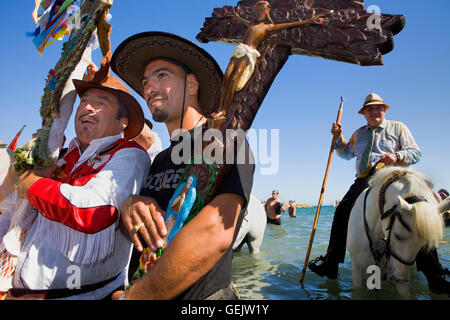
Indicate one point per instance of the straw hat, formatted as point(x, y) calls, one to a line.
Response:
point(120, 91)
point(373, 99)
point(133, 54)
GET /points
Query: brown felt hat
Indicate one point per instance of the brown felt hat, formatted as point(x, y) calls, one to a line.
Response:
point(120, 91)
point(133, 54)
point(372, 99)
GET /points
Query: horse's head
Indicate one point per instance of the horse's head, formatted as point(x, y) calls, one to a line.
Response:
point(410, 220)
point(408, 227)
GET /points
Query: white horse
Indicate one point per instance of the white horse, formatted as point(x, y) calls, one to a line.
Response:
point(391, 221)
point(253, 227)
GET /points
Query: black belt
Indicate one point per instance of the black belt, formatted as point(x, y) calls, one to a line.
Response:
point(29, 294)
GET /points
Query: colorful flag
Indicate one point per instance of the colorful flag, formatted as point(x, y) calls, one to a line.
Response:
point(54, 22)
point(13, 144)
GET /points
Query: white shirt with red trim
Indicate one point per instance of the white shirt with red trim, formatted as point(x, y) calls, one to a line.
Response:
point(76, 239)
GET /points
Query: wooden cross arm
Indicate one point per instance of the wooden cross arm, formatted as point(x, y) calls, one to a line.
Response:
point(351, 34)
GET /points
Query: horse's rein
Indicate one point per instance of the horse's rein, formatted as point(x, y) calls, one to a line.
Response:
point(393, 213)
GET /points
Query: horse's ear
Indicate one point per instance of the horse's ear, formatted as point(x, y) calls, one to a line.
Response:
point(403, 205)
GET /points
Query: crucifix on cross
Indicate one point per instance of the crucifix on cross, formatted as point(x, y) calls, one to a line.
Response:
point(286, 27)
point(243, 60)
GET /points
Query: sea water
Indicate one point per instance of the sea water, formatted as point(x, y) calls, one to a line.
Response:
point(274, 273)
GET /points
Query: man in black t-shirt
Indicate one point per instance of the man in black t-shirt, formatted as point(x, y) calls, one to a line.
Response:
point(180, 82)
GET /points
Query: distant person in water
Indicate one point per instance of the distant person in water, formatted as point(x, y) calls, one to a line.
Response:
point(291, 209)
point(273, 207)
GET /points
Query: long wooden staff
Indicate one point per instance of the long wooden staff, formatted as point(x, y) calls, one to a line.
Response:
point(322, 192)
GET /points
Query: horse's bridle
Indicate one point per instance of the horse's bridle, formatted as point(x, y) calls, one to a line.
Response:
point(394, 214)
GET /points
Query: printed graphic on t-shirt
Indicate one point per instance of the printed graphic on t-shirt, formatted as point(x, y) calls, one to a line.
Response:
point(167, 179)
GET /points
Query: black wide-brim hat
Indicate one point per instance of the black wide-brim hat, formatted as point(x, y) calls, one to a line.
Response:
point(133, 54)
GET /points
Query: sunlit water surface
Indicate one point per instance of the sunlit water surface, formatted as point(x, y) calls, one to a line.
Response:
point(274, 273)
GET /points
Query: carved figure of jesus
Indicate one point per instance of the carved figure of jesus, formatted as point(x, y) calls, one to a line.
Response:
point(243, 60)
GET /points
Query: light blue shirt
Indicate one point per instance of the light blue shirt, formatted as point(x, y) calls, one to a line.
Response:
point(390, 136)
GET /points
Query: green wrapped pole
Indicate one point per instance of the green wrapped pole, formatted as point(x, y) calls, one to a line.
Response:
point(35, 153)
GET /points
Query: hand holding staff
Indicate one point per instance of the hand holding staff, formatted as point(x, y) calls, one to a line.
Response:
point(336, 135)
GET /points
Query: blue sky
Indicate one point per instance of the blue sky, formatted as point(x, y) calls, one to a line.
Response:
point(301, 103)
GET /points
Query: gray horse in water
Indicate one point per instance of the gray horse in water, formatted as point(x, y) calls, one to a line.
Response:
point(390, 222)
point(253, 226)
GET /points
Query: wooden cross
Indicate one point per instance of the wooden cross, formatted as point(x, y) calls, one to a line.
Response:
point(350, 35)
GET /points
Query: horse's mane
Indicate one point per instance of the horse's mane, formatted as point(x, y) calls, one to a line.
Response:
point(428, 222)
point(384, 174)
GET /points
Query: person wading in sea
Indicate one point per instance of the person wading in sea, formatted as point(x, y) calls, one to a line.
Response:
point(273, 208)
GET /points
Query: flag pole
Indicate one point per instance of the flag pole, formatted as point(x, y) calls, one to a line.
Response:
point(322, 192)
